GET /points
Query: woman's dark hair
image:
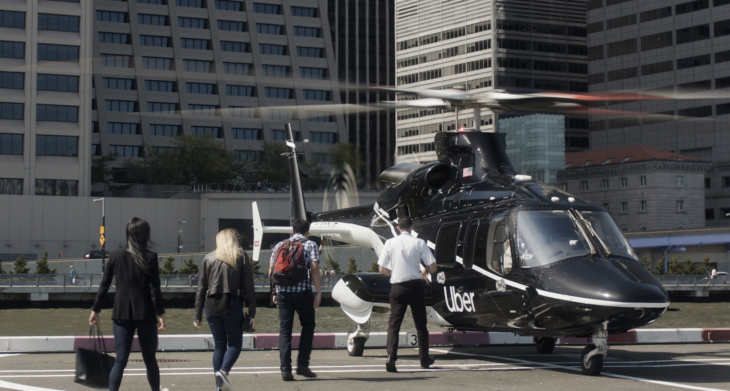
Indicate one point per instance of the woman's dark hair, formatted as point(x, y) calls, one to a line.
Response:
point(138, 240)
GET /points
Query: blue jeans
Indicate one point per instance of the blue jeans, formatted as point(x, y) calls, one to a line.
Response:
point(123, 338)
point(303, 304)
point(228, 337)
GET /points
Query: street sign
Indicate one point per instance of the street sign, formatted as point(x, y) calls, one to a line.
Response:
point(101, 239)
point(101, 230)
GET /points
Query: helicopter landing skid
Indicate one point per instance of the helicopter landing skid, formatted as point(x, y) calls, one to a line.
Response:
point(356, 339)
point(593, 354)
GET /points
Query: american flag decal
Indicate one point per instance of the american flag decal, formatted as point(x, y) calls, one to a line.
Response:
point(468, 171)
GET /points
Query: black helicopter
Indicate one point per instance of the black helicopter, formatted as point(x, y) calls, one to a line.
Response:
point(513, 255)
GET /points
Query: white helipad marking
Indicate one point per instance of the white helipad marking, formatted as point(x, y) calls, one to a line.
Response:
point(550, 365)
point(8, 355)
point(22, 387)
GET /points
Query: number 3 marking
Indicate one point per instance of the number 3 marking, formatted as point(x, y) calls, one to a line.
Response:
point(414, 340)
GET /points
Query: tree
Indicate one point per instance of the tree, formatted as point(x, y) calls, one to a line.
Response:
point(256, 268)
point(352, 267)
point(646, 262)
point(659, 268)
point(21, 266)
point(190, 266)
point(688, 267)
point(2, 271)
point(100, 170)
point(706, 266)
point(168, 267)
point(272, 163)
point(41, 266)
point(374, 268)
point(674, 267)
point(190, 160)
point(332, 264)
point(347, 153)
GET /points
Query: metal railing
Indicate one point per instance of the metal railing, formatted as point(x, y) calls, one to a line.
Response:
point(699, 280)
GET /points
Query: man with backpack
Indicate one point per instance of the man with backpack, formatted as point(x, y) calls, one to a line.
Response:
point(293, 267)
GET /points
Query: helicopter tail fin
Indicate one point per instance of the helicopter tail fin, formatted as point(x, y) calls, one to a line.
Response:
point(298, 208)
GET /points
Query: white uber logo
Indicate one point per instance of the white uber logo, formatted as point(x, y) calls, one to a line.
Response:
point(460, 302)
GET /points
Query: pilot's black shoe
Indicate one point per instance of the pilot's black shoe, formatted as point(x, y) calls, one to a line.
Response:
point(390, 365)
point(431, 360)
point(287, 377)
point(306, 372)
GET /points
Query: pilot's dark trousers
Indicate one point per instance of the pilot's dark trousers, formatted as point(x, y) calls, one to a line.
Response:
point(402, 295)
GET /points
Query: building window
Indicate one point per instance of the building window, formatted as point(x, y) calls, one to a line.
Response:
point(12, 19)
point(110, 83)
point(726, 181)
point(237, 68)
point(229, 5)
point(246, 134)
point(274, 71)
point(691, 6)
point(642, 206)
point(309, 52)
point(154, 20)
point(49, 52)
point(656, 41)
point(197, 66)
point(12, 49)
point(242, 112)
point(642, 180)
point(229, 25)
point(323, 158)
point(709, 214)
point(564, 186)
point(696, 61)
point(304, 12)
point(694, 33)
point(624, 183)
point(189, 3)
point(125, 150)
point(115, 61)
point(274, 29)
point(584, 185)
point(58, 83)
point(659, 13)
point(658, 67)
point(199, 131)
point(604, 184)
point(56, 146)
point(164, 130)
point(248, 155)
point(192, 23)
point(316, 95)
point(162, 108)
point(11, 111)
point(323, 137)
point(319, 116)
point(306, 31)
point(58, 23)
point(278, 135)
point(278, 93)
point(55, 187)
point(200, 88)
point(680, 181)
point(109, 16)
point(114, 38)
point(197, 44)
point(10, 186)
point(236, 47)
point(11, 144)
point(153, 40)
point(680, 206)
point(624, 207)
point(122, 128)
point(277, 50)
point(266, 8)
point(605, 206)
point(280, 114)
point(57, 113)
point(313, 73)
point(232, 90)
point(722, 28)
point(13, 80)
point(125, 106)
point(159, 86)
point(621, 48)
point(708, 183)
point(206, 110)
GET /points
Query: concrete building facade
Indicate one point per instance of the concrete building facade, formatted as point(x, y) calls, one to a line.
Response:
point(643, 188)
point(536, 145)
point(238, 70)
point(484, 46)
point(45, 111)
point(666, 48)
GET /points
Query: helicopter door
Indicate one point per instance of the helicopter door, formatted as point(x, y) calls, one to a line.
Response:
point(501, 263)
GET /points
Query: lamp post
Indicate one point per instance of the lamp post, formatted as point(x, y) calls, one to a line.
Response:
point(102, 239)
point(179, 235)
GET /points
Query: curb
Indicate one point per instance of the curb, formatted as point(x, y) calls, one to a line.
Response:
point(204, 342)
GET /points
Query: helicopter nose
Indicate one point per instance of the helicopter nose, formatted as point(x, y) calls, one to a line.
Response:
point(624, 282)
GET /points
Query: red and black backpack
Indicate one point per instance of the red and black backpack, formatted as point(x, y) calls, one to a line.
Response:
point(290, 267)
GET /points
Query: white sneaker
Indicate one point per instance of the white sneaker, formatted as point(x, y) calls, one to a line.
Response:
point(222, 381)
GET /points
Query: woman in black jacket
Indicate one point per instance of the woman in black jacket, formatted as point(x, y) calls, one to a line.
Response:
point(137, 302)
point(225, 279)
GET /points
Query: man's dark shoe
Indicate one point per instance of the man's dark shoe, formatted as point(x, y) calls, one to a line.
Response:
point(431, 360)
point(306, 372)
point(287, 377)
point(390, 365)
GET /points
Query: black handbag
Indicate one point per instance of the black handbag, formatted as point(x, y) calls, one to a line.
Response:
point(246, 325)
point(93, 365)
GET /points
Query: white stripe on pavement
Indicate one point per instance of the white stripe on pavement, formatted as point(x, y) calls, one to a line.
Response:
point(22, 387)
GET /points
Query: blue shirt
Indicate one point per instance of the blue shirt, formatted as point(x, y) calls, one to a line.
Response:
point(311, 254)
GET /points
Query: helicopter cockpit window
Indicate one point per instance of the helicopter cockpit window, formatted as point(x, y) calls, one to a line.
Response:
point(447, 242)
point(545, 237)
point(501, 257)
point(607, 230)
point(438, 176)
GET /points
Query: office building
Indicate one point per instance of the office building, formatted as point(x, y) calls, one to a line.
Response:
point(238, 70)
point(536, 145)
point(45, 111)
point(484, 46)
point(643, 188)
point(666, 47)
point(363, 35)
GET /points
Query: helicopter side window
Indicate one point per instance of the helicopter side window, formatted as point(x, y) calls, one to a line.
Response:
point(447, 243)
point(480, 246)
point(500, 259)
point(470, 243)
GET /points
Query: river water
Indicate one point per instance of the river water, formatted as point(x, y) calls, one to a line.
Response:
point(74, 321)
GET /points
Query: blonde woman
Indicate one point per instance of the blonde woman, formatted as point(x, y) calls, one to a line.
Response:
point(225, 281)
